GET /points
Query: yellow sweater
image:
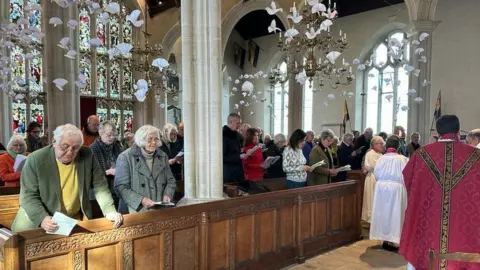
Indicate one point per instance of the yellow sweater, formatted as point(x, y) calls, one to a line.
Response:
point(70, 197)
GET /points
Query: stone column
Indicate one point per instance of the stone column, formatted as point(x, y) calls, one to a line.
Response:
point(62, 106)
point(5, 100)
point(202, 100)
point(420, 115)
point(295, 102)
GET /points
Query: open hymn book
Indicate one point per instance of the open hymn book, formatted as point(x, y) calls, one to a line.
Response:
point(251, 151)
point(318, 164)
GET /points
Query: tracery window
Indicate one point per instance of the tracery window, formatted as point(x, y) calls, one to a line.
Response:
point(109, 79)
point(280, 103)
point(27, 71)
point(386, 87)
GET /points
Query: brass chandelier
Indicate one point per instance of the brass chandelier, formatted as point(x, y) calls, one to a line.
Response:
point(316, 46)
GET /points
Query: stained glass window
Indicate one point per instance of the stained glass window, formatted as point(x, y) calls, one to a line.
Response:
point(109, 78)
point(27, 70)
point(386, 87)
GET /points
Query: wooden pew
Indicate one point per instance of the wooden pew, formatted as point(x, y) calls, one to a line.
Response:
point(8, 205)
point(265, 231)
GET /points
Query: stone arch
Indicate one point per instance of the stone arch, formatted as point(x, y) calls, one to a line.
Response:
point(171, 37)
point(241, 9)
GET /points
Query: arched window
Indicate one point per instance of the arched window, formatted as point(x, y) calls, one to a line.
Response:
point(109, 79)
point(307, 105)
point(280, 102)
point(386, 86)
point(27, 71)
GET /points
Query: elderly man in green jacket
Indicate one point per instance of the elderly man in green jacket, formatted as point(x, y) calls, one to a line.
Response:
point(57, 179)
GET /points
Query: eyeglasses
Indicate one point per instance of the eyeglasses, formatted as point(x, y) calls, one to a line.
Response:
point(153, 140)
point(68, 148)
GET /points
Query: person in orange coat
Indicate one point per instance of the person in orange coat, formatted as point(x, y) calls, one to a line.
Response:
point(90, 130)
point(16, 146)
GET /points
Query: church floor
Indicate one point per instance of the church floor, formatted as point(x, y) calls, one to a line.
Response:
point(366, 254)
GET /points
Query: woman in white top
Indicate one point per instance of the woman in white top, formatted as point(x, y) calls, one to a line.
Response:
point(377, 147)
point(390, 200)
point(294, 161)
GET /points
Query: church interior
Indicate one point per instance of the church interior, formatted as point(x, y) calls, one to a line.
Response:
point(114, 110)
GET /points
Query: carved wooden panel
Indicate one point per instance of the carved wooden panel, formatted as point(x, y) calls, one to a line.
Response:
point(336, 216)
point(267, 231)
point(219, 241)
point(321, 217)
point(287, 229)
point(148, 252)
point(184, 243)
point(101, 258)
point(306, 225)
point(244, 238)
point(61, 262)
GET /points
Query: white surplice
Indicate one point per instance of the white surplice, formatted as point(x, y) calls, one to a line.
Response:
point(369, 187)
point(390, 200)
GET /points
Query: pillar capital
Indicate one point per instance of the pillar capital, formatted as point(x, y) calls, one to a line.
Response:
point(426, 25)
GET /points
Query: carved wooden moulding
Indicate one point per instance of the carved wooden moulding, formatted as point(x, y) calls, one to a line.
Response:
point(85, 240)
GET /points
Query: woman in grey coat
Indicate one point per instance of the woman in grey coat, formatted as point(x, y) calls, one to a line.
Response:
point(143, 175)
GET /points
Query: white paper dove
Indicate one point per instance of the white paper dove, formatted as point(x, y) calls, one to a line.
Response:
point(418, 100)
point(235, 106)
point(160, 63)
point(71, 54)
point(423, 59)
point(311, 33)
point(330, 14)
point(419, 50)
point(55, 21)
point(95, 42)
point(141, 84)
point(133, 18)
point(356, 61)
point(425, 83)
point(417, 72)
point(247, 86)
point(411, 92)
point(72, 24)
point(234, 89)
point(319, 8)
point(229, 79)
point(423, 36)
point(60, 83)
point(124, 48)
point(325, 25)
point(332, 56)
point(389, 98)
point(237, 81)
point(290, 34)
point(415, 43)
point(330, 96)
point(113, 8)
point(273, 27)
point(408, 68)
point(301, 77)
point(313, 2)
point(295, 17)
point(82, 81)
point(273, 8)
point(404, 108)
point(141, 94)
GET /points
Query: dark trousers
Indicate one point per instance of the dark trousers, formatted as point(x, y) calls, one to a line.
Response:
point(293, 184)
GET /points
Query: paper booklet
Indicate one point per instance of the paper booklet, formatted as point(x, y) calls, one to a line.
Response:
point(65, 224)
point(344, 168)
point(179, 155)
point(269, 161)
point(164, 203)
point(318, 164)
point(251, 151)
point(159, 205)
point(19, 162)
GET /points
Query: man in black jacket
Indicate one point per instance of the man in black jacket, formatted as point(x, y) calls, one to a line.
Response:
point(346, 155)
point(232, 150)
point(362, 145)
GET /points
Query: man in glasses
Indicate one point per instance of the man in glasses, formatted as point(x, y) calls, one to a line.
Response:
point(33, 137)
point(57, 179)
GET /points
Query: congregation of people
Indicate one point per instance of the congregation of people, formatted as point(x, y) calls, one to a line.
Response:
point(90, 173)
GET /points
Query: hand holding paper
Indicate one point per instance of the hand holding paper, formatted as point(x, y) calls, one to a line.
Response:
point(251, 151)
point(318, 164)
point(19, 162)
point(343, 169)
point(269, 161)
point(64, 223)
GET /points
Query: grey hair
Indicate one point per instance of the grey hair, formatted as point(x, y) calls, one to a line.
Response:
point(67, 130)
point(279, 137)
point(142, 133)
point(167, 129)
point(474, 134)
point(368, 130)
point(17, 138)
point(418, 134)
point(327, 135)
point(232, 116)
point(347, 136)
point(374, 140)
point(310, 133)
point(106, 123)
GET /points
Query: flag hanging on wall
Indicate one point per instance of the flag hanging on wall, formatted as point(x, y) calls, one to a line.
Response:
point(346, 117)
point(438, 106)
point(253, 52)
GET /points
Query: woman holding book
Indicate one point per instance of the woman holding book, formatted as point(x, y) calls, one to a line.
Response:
point(16, 146)
point(321, 152)
point(294, 162)
point(170, 147)
point(143, 177)
point(252, 165)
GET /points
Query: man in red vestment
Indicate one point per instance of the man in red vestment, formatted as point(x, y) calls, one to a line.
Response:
point(443, 210)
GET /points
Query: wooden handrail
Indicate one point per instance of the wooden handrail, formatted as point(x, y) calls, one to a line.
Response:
point(453, 256)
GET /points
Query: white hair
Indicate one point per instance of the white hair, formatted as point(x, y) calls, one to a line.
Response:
point(279, 137)
point(69, 130)
point(167, 129)
point(375, 139)
point(106, 123)
point(142, 133)
point(19, 139)
point(347, 136)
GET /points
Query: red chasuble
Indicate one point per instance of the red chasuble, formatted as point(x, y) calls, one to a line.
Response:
point(443, 211)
